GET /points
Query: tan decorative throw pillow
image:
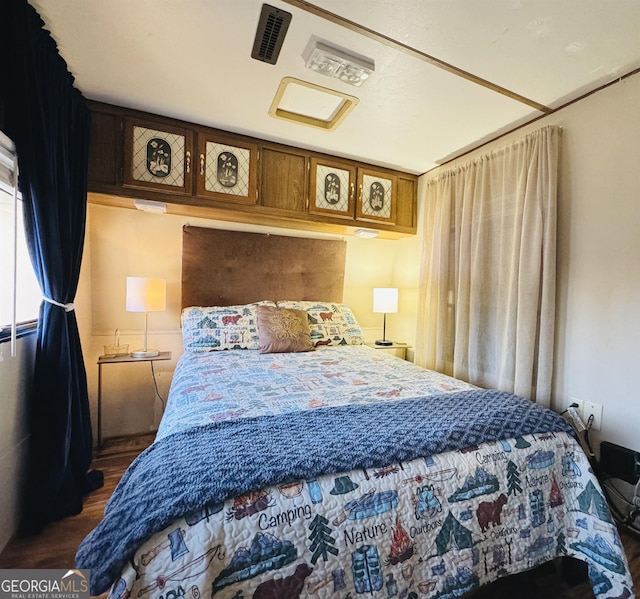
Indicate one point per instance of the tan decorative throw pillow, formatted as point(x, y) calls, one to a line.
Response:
point(283, 330)
point(330, 323)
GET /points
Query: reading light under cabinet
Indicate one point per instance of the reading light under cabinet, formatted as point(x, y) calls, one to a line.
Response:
point(150, 206)
point(366, 233)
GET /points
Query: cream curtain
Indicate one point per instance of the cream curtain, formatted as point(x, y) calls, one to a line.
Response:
point(488, 271)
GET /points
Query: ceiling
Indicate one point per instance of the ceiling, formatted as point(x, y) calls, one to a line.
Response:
point(190, 59)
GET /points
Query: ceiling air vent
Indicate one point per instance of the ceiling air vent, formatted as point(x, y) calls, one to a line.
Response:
point(272, 28)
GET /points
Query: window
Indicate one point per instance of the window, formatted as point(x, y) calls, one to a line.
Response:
point(27, 291)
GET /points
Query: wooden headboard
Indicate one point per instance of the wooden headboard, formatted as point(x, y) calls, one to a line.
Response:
point(225, 268)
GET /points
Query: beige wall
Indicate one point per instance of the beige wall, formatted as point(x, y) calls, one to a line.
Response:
point(122, 242)
point(598, 297)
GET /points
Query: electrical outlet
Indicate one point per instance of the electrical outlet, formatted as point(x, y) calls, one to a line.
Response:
point(580, 408)
point(595, 410)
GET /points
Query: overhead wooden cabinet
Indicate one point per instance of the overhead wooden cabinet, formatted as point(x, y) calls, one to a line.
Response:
point(206, 172)
point(157, 156)
point(105, 150)
point(332, 188)
point(377, 196)
point(227, 168)
point(406, 203)
point(283, 179)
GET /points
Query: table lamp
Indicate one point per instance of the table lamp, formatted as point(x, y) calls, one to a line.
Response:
point(146, 295)
point(385, 301)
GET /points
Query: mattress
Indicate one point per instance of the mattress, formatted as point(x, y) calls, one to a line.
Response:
point(242, 384)
point(459, 504)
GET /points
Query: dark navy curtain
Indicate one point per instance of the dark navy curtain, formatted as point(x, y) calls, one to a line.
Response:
point(49, 122)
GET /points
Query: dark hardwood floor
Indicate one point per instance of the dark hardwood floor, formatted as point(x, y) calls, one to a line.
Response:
point(56, 546)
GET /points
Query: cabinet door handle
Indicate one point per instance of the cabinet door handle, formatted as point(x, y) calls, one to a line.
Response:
point(352, 189)
point(360, 193)
point(202, 164)
point(188, 162)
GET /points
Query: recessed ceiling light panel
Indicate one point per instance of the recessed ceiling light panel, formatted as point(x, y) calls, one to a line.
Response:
point(309, 104)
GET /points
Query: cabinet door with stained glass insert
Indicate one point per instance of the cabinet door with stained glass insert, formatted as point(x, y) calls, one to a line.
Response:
point(227, 168)
point(332, 188)
point(157, 157)
point(376, 196)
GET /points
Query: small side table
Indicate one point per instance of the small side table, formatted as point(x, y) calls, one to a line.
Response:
point(395, 345)
point(163, 355)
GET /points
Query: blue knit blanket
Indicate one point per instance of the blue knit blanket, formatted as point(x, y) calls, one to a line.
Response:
point(183, 472)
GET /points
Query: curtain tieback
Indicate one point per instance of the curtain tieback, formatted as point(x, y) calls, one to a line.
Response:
point(67, 307)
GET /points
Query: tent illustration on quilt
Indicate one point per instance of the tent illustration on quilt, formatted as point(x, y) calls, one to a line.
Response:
point(592, 502)
point(453, 533)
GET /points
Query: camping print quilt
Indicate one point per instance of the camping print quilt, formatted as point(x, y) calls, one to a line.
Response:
point(428, 528)
point(432, 527)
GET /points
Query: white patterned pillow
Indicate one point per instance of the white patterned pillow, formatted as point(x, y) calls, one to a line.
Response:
point(220, 327)
point(330, 323)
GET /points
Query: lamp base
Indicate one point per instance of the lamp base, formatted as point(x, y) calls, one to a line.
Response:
point(384, 342)
point(144, 353)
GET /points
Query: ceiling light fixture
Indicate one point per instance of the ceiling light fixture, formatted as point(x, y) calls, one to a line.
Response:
point(310, 104)
point(335, 62)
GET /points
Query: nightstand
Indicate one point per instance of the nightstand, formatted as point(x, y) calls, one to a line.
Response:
point(402, 347)
point(163, 355)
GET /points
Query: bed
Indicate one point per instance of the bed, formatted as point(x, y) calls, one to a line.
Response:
point(294, 461)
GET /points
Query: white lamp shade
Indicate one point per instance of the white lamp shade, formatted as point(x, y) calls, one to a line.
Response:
point(146, 295)
point(385, 300)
